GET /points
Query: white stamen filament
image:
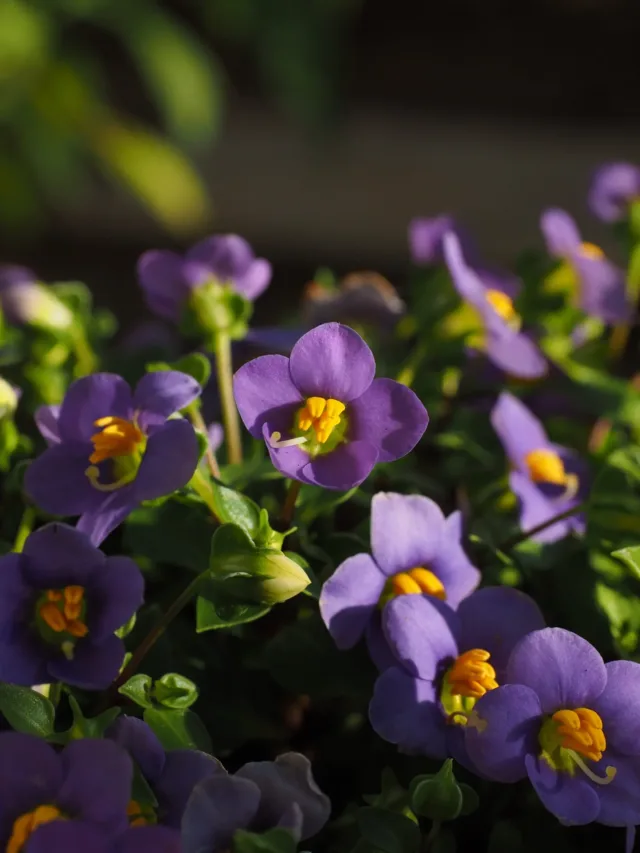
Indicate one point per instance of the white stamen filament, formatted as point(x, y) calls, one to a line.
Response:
point(275, 442)
point(572, 483)
point(610, 772)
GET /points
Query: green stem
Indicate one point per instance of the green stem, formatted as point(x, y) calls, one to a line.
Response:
point(25, 528)
point(431, 837)
point(86, 359)
point(203, 487)
point(198, 421)
point(408, 371)
point(527, 534)
point(224, 367)
point(289, 506)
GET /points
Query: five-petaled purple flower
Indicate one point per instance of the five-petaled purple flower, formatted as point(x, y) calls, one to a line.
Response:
point(324, 417)
point(445, 661)
point(225, 260)
point(415, 550)
point(62, 602)
point(600, 284)
point(547, 478)
point(570, 723)
point(171, 775)
point(506, 346)
point(614, 187)
point(259, 796)
point(110, 450)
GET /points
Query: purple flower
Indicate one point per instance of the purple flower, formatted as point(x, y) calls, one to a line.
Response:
point(63, 601)
point(547, 478)
point(614, 187)
point(259, 796)
point(492, 297)
point(110, 450)
point(361, 299)
point(27, 302)
point(325, 419)
point(72, 800)
point(445, 661)
point(215, 434)
point(168, 280)
point(416, 550)
point(600, 284)
point(144, 839)
point(171, 776)
point(426, 235)
point(570, 723)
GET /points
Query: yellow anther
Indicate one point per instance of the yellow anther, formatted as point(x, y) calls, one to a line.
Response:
point(404, 584)
point(53, 617)
point(77, 628)
point(54, 595)
point(472, 674)
point(418, 581)
point(501, 304)
point(581, 731)
point(117, 437)
point(62, 610)
point(323, 415)
point(136, 815)
point(28, 823)
point(545, 466)
point(591, 251)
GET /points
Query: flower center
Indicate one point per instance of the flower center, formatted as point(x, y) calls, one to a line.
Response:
point(503, 306)
point(123, 443)
point(546, 466)
point(591, 251)
point(467, 680)
point(60, 616)
point(28, 823)
point(570, 736)
point(320, 415)
point(140, 815)
point(414, 582)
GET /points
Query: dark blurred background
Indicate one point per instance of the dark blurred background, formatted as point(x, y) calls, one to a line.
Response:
point(316, 128)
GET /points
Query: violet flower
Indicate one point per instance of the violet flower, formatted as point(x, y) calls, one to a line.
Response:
point(63, 601)
point(259, 796)
point(324, 417)
point(426, 235)
point(445, 661)
point(415, 550)
point(168, 280)
point(492, 297)
point(547, 478)
point(172, 775)
point(144, 839)
point(25, 301)
point(614, 188)
point(600, 284)
point(567, 721)
point(110, 450)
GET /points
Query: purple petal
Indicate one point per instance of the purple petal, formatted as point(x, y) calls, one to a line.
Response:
point(515, 353)
point(349, 598)
point(496, 619)
point(406, 531)
point(30, 774)
point(94, 666)
point(569, 798)
point(261, 387)
point(89, 399)
point(452, 566)
point(218, 807)
point(65, 835)
point(104, 519)
point(390, 416)
point(613, 188)
point(274, 338)
point(518, 429)
point(228, 256)
point(603, 289)
point(161, 393)
point(58, 555)
point(620, 799)
point(215, 435)
point(422, 633)
point(560, 232)
point(46, 418)
point(536, 508)
point(163, 283)
point(169, 462)
point(465, 279)
point(183, 770)
point(140, 741)
point(147, 839)
point(256, 280)
point(56, 481)
point(343, 468)
point(509, 724)
point(619, 707)
point(406, 711)
point(332, 361)
point(425, 238)
point(562, 668)
point(380, 651)
point(114, 596)
point(290, 461)
point(23, 657)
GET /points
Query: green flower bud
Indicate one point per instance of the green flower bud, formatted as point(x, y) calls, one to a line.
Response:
point(8, 398)
point(30, 303)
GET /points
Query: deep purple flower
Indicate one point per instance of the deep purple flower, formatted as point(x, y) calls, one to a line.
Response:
point(547, 478)
point(569, 722)
point(144, 839)
point(259, 796)
point(25, 301)
point(415, 549)
point(72, 800)
point(110, 450)
point(600, 284)
point(445, 661)
point(614, 187)
point(227, 260)
point(492, 297)
point(360, 299)
point(63, 600)
point(324, 417)
point(171, 775)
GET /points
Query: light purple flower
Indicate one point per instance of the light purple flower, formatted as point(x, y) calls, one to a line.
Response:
point(547, 478)
point(25, 301)
point(570, 723)
point(600, 283)
point(324, 417)
point(415, 549)
point(614, 187)
point(111, 449)
point(426, 236)
point(492, 297)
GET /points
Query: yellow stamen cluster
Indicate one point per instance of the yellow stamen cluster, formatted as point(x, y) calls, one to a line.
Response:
point(61, 611)
point(581, 732)
point(591, 251)
point(502, 305)
point(117, 437)
point(472, 674)
point(28, 823)
point(323, 415)
point(136, 814)
point(545, 466)
point(418, 581)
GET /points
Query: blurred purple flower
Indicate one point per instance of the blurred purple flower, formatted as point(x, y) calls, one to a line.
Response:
point(215, 434)
point(145, 839)
point(614, 187)
point(25, 301)
point(324, 417)
point(109, 449)
point(426, 235)
point(361, 299)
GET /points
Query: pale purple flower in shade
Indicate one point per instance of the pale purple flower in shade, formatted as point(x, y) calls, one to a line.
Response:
point(25, 301)
point(614, 187)
point(415, 550)
point(261, 795)
point(547, 478)
point(324, 417)
point(600, 284)
point(63, 600)
point(215, 434)
point(445, 660)
point(168, 279)
point(111, 449)
point(506, 346)
point(426, 235)
point(567, 721)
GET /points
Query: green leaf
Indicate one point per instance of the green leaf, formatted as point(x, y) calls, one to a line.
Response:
point(437, 797)
point(630, 557)
point(235, 508)
point(178, 729)
point(211, 615)
point(91, 727)
point(613, 515)
point(470, 799)
point(392, 797)
point(175, 533)
point(388, 832)
point(26, 710)
point(194, 364)
point(138, 690)
point(272, 841)
point(175, 691)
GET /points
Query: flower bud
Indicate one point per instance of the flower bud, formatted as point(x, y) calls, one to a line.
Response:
point(9, 397)
point(282, 578)
point(27, 302)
